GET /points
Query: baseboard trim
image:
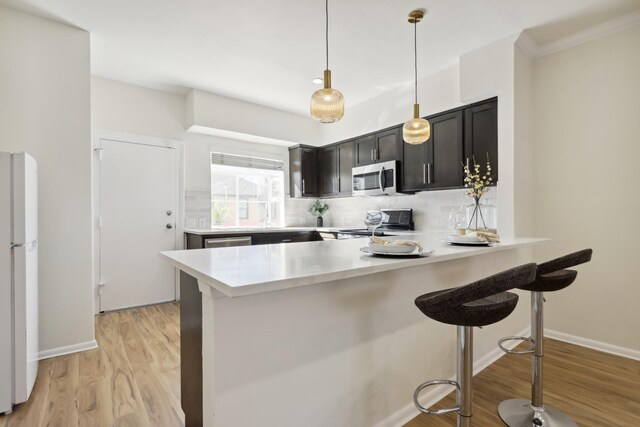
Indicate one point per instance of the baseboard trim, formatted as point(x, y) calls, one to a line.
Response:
point(593, 344)
point(436, 393)
point(67, 349)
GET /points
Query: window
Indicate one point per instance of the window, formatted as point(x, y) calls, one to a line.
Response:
point(246, 191)
point(243, 209)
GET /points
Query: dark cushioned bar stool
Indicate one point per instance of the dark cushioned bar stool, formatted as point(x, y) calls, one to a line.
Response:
point(480, 303)
point(551, 276)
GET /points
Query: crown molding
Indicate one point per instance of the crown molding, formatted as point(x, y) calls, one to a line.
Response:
point(587, 35)
point(528, 45)
point(535, 51)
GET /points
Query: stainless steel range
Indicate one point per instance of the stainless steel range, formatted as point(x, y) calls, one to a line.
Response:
point(394, 220)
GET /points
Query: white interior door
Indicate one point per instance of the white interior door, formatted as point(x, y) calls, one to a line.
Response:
point(137, 221)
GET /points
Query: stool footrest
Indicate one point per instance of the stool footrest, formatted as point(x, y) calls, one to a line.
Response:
point(506, 350)
point(434, 411)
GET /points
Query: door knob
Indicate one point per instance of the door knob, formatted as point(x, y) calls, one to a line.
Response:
point(169, 226)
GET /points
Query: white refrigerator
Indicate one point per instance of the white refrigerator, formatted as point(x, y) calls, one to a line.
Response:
point(18, 278)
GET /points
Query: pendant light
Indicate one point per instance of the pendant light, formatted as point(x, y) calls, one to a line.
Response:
point(327, 105)
point(417, 130)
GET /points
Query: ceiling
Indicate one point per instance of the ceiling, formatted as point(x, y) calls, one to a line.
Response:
point(267, 52)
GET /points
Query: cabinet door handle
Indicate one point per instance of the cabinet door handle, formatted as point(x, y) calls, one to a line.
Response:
point(467, 163)
point(333, 182)
point(287, 240)
point(429, 173)
point(424, 173)
point(303, 186)
point(375, 154)
point(371, 154)
point(337, 185)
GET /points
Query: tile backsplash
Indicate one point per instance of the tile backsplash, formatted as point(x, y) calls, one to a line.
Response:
point(431, 209)
point(197, 208)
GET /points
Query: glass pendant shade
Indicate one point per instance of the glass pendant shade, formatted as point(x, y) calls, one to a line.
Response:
point(327, 105)
point(417, 130)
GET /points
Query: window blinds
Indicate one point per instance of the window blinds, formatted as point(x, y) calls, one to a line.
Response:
point(246, 161)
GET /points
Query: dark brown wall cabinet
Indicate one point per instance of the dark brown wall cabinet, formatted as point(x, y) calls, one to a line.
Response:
point(457, 136)
point(303, 171)
point(379, 147)
point(481, 135)
point(336, 162)
point(436, 164)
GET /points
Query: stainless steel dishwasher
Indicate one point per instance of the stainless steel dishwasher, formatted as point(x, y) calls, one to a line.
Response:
point(222, 242)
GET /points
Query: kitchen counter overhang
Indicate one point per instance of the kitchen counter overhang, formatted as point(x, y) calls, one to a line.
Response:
point(248, 270)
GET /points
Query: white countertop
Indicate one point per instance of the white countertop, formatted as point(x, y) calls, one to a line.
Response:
point(247, 270)
point(252, 230)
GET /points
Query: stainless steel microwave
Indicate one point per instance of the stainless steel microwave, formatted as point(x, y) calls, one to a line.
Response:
point(379, 179)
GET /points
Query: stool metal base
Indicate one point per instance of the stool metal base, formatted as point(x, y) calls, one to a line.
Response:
point(520, 413)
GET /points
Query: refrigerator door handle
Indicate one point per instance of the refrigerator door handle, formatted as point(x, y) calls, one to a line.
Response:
point(31, 245)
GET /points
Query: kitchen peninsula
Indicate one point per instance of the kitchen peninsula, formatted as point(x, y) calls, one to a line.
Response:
point(319, 333)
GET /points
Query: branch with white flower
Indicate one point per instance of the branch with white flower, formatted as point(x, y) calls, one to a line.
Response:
point(477, 186)
point(475, 182)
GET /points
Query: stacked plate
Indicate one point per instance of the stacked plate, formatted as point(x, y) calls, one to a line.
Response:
point(466, 240)
point(395, 250)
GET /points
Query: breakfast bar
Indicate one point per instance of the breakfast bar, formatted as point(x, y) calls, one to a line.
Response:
point(320, 333)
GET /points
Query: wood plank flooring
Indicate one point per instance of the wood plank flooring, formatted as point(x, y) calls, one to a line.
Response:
point(133, 379)
point(595, 389)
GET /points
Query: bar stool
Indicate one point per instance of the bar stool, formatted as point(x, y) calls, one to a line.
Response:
point(551, 276)
point(480, 303)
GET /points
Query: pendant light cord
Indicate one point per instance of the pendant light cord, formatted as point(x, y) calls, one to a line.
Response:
point(326, 32)
point(415, 58)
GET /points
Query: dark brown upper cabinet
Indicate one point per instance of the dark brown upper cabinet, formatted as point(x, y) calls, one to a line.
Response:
point(303, 171)
point(481, 135)
point(345, 165)
point(328, 170)
point(336, 162)
point(457, 136)
point(379, 147)
point(437, 163)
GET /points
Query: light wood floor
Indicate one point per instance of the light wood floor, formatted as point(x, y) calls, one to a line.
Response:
point(133, 379)
point(595, 389)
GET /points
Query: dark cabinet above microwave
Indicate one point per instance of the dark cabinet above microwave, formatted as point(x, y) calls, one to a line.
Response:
point(379, 147)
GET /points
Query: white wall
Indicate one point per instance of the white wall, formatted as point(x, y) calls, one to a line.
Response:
point(436, 93)
point(137, 110)
point(45, 110)
point(523, 145)
point(587, 153)
point(222, 116)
